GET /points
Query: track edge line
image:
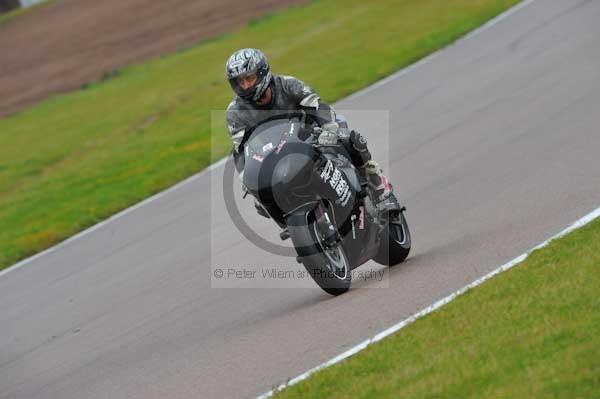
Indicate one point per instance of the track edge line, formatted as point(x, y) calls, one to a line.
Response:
point(431, 308)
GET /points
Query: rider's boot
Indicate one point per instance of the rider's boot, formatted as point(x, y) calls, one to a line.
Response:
point(383, 192)
point(384, 198)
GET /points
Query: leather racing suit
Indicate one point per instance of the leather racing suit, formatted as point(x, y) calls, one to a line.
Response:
point(292, 97)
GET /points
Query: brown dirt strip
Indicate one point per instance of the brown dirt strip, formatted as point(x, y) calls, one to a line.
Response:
point(59, 47)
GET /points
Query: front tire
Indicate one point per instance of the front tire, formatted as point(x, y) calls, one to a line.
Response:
point(328, 265)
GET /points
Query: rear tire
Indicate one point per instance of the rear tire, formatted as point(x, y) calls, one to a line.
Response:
point(395, 241)
point(329, 267)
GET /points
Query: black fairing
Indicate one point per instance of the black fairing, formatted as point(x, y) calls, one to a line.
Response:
point(285, 172)
point(290, 176)
point(279, 167)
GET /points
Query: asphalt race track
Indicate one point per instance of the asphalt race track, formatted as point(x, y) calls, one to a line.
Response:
point(494, 146)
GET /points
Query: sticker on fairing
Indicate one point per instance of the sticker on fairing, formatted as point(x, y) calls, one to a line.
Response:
point(267, 147)
point(330, 174)
point(280, 146)
point(361, 219)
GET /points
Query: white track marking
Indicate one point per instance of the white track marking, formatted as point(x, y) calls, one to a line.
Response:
point(398, 326)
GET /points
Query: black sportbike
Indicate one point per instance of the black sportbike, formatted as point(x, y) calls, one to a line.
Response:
point(321, 201)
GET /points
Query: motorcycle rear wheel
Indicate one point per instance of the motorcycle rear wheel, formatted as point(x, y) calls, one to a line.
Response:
point(395, 241)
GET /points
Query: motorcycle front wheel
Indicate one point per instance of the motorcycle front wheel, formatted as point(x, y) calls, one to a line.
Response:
point(326, 263)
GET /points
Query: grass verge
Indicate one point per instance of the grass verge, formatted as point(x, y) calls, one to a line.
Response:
point(531, 332)
point(73, 160)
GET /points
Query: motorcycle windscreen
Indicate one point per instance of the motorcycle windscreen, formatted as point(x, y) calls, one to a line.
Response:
point(265, 151)
point(263, 141)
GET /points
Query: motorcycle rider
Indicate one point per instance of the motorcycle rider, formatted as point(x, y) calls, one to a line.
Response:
point(259, 94)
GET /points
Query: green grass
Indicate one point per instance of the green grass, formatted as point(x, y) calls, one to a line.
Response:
point(73, 160)
point(531, 332)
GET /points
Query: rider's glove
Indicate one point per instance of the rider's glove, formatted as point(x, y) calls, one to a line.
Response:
point(330, 134)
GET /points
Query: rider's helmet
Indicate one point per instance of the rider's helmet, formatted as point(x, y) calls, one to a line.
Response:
point(244, 63)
